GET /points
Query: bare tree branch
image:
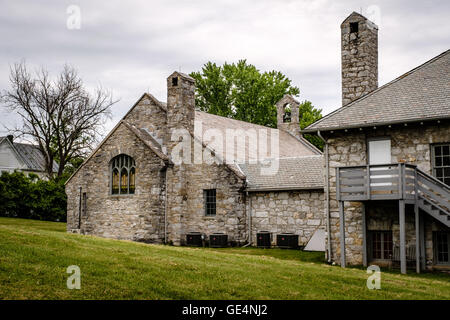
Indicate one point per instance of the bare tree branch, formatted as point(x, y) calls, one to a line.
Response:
point(60, 116)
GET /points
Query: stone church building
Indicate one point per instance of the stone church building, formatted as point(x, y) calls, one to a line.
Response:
point(234, 177)
point(379, 194)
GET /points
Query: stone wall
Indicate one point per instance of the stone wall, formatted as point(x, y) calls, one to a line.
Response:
point(136, 217)
point(359, 58)
point(149, 114)
point(230, 218)
point(408, 143)
point(299, 212)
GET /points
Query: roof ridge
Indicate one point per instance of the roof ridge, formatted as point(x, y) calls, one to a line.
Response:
point(281, 158)
point(237, 120)
point(404, 75)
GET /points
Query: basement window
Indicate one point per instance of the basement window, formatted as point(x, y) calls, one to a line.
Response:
point(174, 81)
point(210, 202)
point(354, 27)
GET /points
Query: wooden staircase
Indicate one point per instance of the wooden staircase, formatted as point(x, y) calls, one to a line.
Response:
point(433, 197)
point(395, 182)
point(403, 182)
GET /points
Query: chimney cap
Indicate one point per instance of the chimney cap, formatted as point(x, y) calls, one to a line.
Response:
point(355, 17)
point(181, 75)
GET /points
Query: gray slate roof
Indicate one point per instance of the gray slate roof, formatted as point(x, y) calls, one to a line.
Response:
point(31, 156)
point(420, 94)
point(299, 173)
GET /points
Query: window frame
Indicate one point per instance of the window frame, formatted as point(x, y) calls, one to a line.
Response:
point(210, 206)
point(442, 177)
point(436, 247)
point(376, 139)
point(122, 163)
point(383, 241)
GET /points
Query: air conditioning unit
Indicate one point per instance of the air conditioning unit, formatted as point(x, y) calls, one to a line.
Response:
point(218, 240)
point(263, 239)
point(194, 239)
point(287, 241)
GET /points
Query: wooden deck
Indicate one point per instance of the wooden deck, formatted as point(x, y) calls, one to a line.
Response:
point(376, 182)
point(402, 182)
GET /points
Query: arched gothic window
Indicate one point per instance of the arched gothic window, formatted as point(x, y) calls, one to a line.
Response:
point(123, 175)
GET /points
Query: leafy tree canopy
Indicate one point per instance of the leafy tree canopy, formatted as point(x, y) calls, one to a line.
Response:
point(240, 91)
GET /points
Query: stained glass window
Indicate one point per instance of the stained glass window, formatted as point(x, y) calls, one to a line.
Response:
point(132, 180)
point(115, 181)
point(125, 182)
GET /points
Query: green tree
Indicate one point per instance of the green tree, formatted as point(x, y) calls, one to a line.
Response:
point(240, 91)
point(309, 114)
point(28, 196)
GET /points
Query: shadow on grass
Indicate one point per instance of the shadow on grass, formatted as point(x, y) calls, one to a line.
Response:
point(282, 254)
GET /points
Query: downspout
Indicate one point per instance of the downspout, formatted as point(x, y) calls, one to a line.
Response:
point(165, 206)
point(249, 237)
point(327, 195)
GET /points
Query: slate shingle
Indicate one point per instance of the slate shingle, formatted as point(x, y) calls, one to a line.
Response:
point(420, 94)
point(292, 174)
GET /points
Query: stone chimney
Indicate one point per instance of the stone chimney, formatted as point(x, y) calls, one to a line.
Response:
point(359, 52)
point(180, 103)
point(288, 115)
point(180, 116)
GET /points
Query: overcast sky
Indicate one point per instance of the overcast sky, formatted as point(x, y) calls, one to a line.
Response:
point(132, 46)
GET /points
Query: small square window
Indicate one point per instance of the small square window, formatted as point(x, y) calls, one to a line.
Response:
point(174, 81)
point(354, 27)
point(210, 202)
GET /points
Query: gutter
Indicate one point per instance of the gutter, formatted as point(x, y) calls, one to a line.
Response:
point(319, 188)
point(378, 124)
point(327, 195)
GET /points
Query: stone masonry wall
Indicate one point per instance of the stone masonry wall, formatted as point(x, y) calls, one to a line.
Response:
point(149, 115)
point(359, 58)
point(411, 144)
point(231, 217)
point(137, 217)
point(299, 212)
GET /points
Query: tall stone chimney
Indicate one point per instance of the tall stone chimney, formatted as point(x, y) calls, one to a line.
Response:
point(359, 54)
point(180, 119)
point(180, 103)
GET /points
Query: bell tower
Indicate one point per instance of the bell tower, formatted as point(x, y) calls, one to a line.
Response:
point(288, 115)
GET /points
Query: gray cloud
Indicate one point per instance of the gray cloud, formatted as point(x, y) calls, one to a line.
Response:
point(131, 47)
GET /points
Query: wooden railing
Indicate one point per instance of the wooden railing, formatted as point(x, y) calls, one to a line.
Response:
point(434, 191)
point(376, 182)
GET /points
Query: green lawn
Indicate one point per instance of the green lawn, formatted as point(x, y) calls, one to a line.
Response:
point(34, 256)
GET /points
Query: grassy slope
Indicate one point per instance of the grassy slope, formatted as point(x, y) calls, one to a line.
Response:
point(34, 256)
